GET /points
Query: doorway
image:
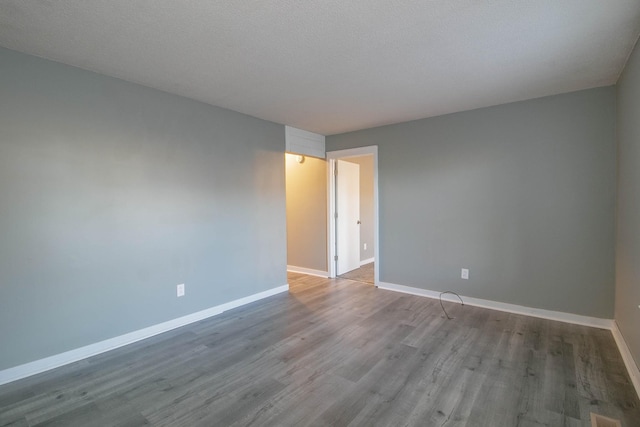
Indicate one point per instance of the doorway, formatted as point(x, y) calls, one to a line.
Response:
point(341, 209)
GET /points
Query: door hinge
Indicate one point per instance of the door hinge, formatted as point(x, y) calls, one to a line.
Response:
point(335, 258)
point(335, 215)
point(335, 169)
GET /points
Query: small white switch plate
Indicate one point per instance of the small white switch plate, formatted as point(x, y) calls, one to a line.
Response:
point(180, 290)
point(365, 246)
point(464, 273)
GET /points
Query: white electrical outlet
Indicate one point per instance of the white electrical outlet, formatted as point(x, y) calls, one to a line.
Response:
point(464, 273)
point(180, 290)
point(365, 246)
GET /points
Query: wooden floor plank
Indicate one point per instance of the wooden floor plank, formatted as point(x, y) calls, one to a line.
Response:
point(340, 352)
point(363, 274)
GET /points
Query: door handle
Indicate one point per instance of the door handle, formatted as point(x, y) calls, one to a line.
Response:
point(359, 222)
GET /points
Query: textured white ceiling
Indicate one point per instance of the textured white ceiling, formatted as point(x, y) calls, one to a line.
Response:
point(331, 66)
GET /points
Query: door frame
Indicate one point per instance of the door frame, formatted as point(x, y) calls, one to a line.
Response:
point(332, 156)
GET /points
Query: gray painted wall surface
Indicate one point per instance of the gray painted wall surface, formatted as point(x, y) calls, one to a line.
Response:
point(112, 193)
point(628, 212)
point(522, 194)
point(307, 213)
point(366, 205)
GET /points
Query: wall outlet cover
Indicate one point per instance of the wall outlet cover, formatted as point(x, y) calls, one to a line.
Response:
point(464, 273)
point(180, 290)
point(598, 420)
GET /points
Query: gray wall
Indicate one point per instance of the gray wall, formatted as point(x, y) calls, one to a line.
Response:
point(366, 205)
point(307, 213)
point(522, 194)
point(112, 193)
point(628, 213)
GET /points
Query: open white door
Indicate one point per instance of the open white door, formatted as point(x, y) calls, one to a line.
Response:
point(333, 157)
point(348, 216)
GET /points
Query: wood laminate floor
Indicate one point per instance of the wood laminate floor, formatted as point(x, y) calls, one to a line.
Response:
point(363, 274)
point(337, 353)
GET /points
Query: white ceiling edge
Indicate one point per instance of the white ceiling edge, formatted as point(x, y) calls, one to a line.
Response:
point(635, 45)
point(333, 67)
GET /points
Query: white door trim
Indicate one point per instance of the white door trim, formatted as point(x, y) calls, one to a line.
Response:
point(332, 156)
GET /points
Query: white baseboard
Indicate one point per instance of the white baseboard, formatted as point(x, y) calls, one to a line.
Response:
point(595, 322)
point(502, 306)
point(309, 271)
point(38, 366)
point(629, 362)
point(367, 261)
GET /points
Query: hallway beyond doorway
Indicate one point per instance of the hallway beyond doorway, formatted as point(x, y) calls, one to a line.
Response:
point(363, 274)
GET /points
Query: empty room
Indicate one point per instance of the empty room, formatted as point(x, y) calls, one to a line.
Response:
point(356, 213)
